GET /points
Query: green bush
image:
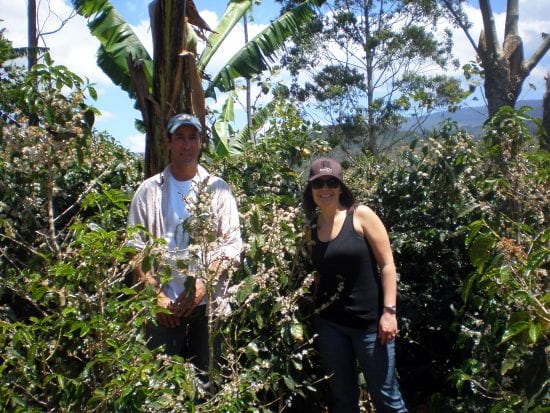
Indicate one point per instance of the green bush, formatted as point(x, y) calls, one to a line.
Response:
point(504, 324)
point(466, 220)
point(424, 197)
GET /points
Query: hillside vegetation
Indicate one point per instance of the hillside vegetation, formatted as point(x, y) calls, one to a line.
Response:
point(467, 220)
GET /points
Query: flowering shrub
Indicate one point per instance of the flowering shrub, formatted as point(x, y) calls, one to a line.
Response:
point(505, 323)
point(269, 360)
point(466, 223)
point(424, 197)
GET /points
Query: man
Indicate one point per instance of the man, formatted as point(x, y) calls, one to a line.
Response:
point(162, 205)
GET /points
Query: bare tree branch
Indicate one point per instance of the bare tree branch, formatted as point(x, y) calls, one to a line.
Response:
point(530, 63)
point(460, 22)
point(63, 21)
point(512, 18)
point(489, 26)
point(86, 191)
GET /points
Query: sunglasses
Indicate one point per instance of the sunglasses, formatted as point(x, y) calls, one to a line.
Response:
point(319, 183)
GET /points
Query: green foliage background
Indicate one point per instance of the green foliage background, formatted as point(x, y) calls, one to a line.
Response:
point(467, 221)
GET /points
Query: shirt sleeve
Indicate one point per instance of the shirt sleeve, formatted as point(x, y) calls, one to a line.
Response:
point(228, 227)
point(137, 215)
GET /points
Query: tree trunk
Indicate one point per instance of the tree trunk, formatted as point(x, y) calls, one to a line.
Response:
point(176, 82)
point(499, 89)
point(168, 41)
point(369, 59)
point(33, 38)
point(504, 73)
point(545, 143)
point(248, 86)
point(32, 58)
point(505, 67)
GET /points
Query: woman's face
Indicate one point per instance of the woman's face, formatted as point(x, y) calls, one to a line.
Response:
point(326, 191)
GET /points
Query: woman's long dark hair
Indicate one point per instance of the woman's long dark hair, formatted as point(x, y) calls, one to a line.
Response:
point(310, 208)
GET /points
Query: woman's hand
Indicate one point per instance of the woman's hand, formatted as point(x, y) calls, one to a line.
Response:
point(387, 328)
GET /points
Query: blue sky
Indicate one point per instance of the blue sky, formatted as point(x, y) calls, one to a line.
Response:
point(74, 47)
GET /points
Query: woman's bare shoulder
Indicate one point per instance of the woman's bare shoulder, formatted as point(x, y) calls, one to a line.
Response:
point(364, 212)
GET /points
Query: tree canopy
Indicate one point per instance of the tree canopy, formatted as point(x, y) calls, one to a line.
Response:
point(366, 62)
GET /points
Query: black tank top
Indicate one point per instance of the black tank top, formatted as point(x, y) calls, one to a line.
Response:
point(349, 283)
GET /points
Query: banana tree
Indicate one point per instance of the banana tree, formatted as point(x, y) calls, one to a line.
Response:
point(171, 81)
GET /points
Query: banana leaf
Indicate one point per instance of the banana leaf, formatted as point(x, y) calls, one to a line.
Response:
point(117, 39)
point(255, 56)
point(234, 12)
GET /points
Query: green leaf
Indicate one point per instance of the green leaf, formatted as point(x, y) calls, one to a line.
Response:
point(291, 384)
point(297, 364)
point(118, 42)
point(127, 291)
point(147, 263)
point(474, 229)
point(39, 293)
point(253, 58)
point(480, 249)
point(221, 138)
point(501, 407)
point(509, 362)
point(252, 349)
point(258, 120)
point(297, 331)
point(514, 330)
point(69, 310)
point(246, 289)
point(467, 287)
point(234, 12)
point(534, 332)
point(92, 92)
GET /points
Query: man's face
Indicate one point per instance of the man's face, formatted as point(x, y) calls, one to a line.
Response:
point(185, 146)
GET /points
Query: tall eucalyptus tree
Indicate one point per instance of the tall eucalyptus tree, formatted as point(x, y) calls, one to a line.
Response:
point(372, 60)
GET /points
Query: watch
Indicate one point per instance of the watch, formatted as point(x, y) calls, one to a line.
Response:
point(392, 309)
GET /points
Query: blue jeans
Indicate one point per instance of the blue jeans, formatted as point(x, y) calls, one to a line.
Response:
point(341, 348)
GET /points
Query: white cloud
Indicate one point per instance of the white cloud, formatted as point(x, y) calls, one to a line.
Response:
point(76, 48)
point(135, 143)
point(72, 46)
point(105, 116)
point(143, 32)
point(233, 42)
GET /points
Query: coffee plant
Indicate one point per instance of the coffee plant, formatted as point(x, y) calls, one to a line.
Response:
point(467, 220)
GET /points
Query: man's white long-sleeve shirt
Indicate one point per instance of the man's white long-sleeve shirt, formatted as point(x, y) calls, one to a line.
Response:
point(150, 207)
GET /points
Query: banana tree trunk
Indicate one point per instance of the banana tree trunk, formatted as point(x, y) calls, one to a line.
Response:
point(176, 85)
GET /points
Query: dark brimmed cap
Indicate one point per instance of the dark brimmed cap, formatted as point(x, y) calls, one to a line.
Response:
point(325, 167)
point(182, 119)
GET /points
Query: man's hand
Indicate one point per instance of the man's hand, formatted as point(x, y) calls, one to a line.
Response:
point(169, 320)
point(188, 300)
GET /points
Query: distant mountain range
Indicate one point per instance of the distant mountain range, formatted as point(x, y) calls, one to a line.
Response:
point(471, 119)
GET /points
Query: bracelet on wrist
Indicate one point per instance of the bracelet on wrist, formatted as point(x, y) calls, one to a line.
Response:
point(392, 309)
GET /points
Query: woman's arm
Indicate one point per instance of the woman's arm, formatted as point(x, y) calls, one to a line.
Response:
point(375, 233)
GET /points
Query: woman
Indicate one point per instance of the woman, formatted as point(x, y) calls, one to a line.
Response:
point(355, 294)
